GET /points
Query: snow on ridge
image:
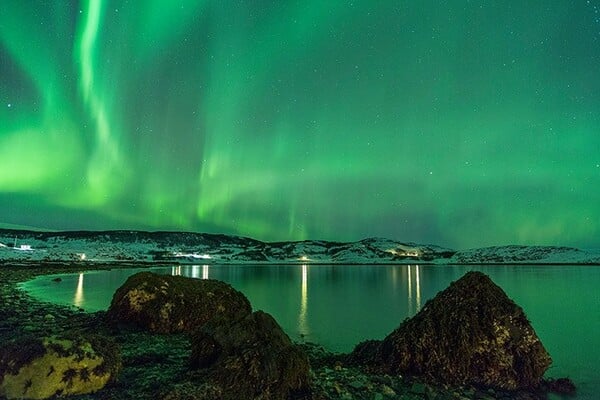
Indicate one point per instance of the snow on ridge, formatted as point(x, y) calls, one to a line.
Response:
point(519, 254)
point(184, 247)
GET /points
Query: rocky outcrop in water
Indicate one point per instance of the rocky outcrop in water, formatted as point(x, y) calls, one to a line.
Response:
point(33, 368)
point(470, 333)
point(251, 359)
point(168, 304)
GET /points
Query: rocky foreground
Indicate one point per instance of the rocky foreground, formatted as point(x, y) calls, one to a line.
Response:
point(196, 364)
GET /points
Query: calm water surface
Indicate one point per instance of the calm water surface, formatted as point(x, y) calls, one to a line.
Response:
point(339, 306)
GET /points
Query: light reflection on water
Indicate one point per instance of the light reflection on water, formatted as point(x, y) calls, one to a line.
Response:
point(338, 298)
point(339, 306)
point(412, 273)
point(302, 316)
point(79, 300)
point(303, 330)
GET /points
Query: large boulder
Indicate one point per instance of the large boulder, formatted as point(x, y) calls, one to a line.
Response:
point(168, 304)
point(470, 333)
point(251, 359)
point(33, 368)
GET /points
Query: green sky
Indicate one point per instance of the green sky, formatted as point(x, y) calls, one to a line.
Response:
point(462, 123)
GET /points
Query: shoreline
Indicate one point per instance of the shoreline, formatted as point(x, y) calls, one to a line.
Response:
point(108, 264)
point(156, 365)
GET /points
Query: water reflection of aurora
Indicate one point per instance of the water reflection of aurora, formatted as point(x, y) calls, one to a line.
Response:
point(412, 286)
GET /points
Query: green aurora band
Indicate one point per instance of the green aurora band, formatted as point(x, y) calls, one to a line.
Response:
point(459, 123)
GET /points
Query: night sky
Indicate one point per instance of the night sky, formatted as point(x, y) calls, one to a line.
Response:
point(461, 123)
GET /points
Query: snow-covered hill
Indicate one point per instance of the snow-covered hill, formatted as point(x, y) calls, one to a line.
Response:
point(184, 247)
point(202, 248)
point(526, 255)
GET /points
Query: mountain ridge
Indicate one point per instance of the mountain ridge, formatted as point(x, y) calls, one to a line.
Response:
point(194, 247)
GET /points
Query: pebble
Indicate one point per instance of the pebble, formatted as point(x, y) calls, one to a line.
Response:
point(357, 384)
point(417, 388)
point(387, 391)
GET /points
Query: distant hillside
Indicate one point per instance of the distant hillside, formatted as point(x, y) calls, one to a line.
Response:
point(186, 247)
point(525, 254)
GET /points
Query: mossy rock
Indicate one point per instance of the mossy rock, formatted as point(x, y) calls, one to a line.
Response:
point(33, 368)
point(168, 304)
point(251, 359)
point(470, 333)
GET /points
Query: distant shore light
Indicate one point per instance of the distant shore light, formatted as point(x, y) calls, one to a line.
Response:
point(193, 255)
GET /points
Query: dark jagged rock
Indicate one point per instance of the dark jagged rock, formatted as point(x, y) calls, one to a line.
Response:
point(251, 359)
point(560, 386)
point(168, 304)
point(34, 368)
point(470, 333)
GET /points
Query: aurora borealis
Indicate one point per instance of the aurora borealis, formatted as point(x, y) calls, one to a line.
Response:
point(462, 123)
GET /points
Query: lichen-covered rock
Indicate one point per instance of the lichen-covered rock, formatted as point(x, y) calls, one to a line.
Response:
point(168, 304)
point(251, 359)
point(470, 333)
point(33, 368)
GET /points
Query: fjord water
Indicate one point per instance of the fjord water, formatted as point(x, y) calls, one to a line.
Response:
point(339, 306)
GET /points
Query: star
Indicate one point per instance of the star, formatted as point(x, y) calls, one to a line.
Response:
point(276, 122)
